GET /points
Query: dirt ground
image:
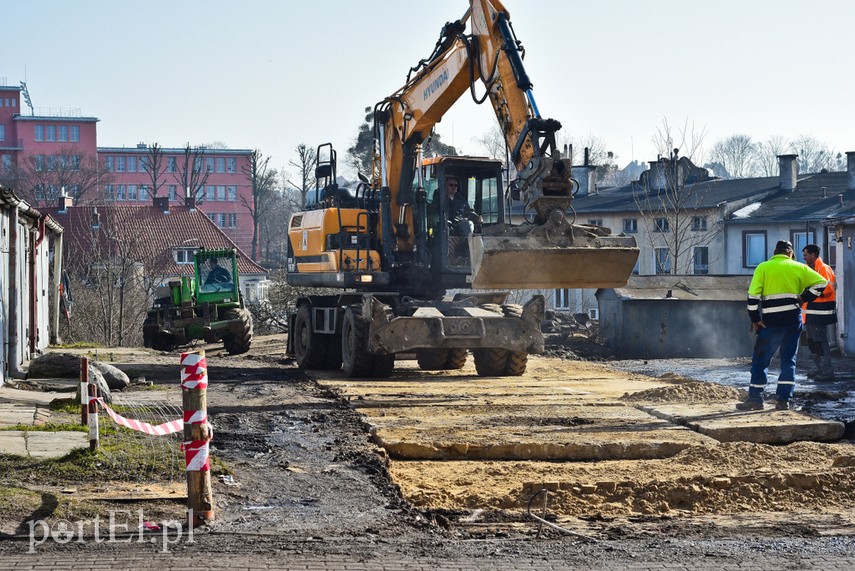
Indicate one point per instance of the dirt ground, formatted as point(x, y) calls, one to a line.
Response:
point(303, 471)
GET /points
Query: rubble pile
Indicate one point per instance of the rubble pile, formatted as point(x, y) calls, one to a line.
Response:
point(573, 336)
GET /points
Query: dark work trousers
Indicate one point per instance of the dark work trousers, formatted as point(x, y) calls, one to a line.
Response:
point(820, 351)
point(769, 339)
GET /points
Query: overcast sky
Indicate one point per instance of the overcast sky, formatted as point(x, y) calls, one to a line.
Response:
point(273, 74)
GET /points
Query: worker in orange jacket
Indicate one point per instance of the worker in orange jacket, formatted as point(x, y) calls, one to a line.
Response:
point(818, 315)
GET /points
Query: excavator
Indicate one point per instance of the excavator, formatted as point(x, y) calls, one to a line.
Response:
point(399, 241)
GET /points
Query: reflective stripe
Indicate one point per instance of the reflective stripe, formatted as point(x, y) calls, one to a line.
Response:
point(817, 289)
point(786, 382)
point(781, 296)
point(757, 386)
point(753, 306)
point(820, 311)
point(780, 309)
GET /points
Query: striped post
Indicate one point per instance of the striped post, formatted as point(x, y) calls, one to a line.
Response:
point(84, 391)
point(197, 436)
point(92, 392)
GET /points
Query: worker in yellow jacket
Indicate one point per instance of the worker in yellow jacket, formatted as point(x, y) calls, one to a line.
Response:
point(819, 314)
point(778, 288)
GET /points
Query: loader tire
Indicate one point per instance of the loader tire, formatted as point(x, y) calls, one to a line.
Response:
point(441, 359)
point(310, 349)
point(500, 362)
point(238, 338)
point(356, 360)
point(456, 358)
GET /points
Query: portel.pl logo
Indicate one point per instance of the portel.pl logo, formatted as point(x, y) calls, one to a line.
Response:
point(118, 527)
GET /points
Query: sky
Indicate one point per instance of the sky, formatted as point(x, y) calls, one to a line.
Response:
point(274, 74)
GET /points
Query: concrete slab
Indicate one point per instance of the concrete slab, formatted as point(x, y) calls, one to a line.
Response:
point(42, 444)
point(725, 424)
point(8, 394)
point(523, 432)
point(13, 442)
point(13, 414)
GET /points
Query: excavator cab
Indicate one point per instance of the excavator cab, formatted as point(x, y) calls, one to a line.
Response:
point(464, 195)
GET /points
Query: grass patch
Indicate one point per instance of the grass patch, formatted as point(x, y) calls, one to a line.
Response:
point(69, 405)
point(48, 427)
point(78, 345)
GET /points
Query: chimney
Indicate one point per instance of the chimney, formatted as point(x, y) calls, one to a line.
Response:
point(789, 166)
point(189, 200)
point(850, 168)
point(65, 202)
point(656, 176)
point(161, 202)
point(585, 176)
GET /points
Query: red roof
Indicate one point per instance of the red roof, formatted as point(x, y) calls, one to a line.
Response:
point(146, 233)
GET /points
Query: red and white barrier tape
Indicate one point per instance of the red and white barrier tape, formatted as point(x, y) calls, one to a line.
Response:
point(138, 425)
point(194, 371)
point(196, 456)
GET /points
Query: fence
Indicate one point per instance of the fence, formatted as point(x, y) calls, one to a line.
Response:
point(168, 431)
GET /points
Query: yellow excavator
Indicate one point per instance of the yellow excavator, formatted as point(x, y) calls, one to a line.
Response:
point(400, 240)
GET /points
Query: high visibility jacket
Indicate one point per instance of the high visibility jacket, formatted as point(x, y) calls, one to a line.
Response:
point(778, 287)
point(821, 311)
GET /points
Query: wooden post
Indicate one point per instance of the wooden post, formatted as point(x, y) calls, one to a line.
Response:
point(197, 436)
point(84, 391)
point(93, 416)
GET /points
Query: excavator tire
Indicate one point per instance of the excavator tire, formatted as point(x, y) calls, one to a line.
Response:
point(239, 337)
point(356, 359)
point(456, 358)
point(441, 359)
point(500, 362)
point(310, 349)
point(432, 359)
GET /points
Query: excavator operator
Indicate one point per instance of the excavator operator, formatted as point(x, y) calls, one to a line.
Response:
point(460, 214)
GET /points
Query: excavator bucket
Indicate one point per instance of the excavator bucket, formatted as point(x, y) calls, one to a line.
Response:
point(555, 255)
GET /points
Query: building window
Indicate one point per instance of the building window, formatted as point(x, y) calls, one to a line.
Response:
point(108, 164)
point(630, 225)
point(143, 193)
point(170, 164)
point(183, 255)
point(120, 164)
point(6, 162)
point(699, 223)
point(172, 191)
point(799, 241)
point(753, 249)
point(212, 218)
point(232, 190)
point(143, 164)
point(595, 221)
point(221, 165)
point(39, 163)
point(663, 261)
point(197, 165)
point(701, 260)
point(50, 133)
point(62, 133)
point(38, 132)
point(661, 225)
point(132, 164)
point(209, 165)
point(221, 193)
point(232, 165)
point(132, 192)
point(2, 132)
point(120, 192)
point(210, 193)
point(75, 134)
point(563, 299)
point(232, 220)
point(200, 194)
point(75, 162)
point(221, 220)
point(108, 193)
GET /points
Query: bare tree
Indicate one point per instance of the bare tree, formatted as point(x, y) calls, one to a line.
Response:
point(190, 172)
point(263, 183)
point(767, 155)
point(305, 164)
point(108, 261)
point(688, 139)
point(42, 178)
point(738, 154)
point(674, 214)
point(156, 167)
point(814, 155)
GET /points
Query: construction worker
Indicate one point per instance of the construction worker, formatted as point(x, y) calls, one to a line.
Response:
point(818, 315)
point(778, 288)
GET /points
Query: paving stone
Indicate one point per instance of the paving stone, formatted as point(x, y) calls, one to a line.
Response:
point(13, 442)
point(55, 444)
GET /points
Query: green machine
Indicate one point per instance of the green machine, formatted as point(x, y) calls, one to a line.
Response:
point(206, 306)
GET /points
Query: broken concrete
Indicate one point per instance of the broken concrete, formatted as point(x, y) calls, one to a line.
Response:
point(722, 422)
point(41, 444)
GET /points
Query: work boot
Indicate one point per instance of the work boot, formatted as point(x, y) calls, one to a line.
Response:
point(782, 405)
point(750, 404)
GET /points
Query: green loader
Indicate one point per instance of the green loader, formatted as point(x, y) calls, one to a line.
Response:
point(206, 306)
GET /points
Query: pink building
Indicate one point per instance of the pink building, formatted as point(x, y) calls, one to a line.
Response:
point(56, 147)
